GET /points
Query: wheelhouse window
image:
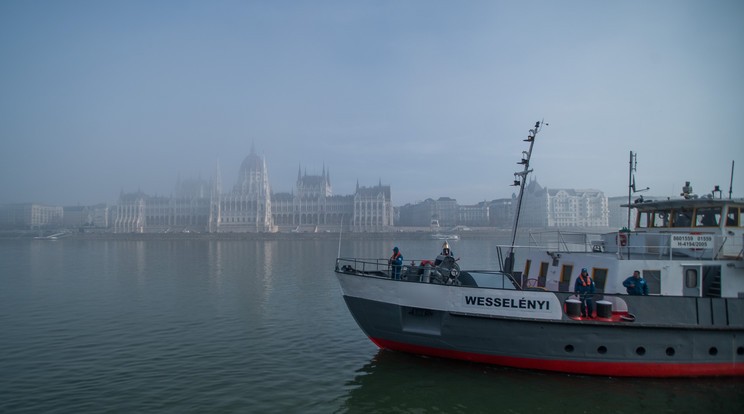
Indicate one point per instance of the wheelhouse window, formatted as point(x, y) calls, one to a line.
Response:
point(661, 218)
point(527, 267)
point(682, 218)
point(708, 217)
point(644, 219)
point(732, 217)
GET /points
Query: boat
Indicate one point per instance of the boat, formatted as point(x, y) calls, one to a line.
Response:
point(689, 251)
point(444, 236)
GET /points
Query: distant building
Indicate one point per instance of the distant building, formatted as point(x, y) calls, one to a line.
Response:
point(475, 215)
point(501, 212)
point(198, 205)
point(248, 207)
point(373, 208)
point(543, 207)
point(30, 216)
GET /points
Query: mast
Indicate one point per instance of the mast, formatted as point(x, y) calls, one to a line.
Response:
point(631, 182)
point(520, 179)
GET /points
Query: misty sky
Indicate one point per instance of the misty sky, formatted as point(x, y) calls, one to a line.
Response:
point(430, 97)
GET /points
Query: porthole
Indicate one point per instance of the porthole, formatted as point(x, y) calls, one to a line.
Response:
point(740, 350)
point(602, 349)
point(569, 348)
point(641, 350)
point(670, 351)
point(713, 350)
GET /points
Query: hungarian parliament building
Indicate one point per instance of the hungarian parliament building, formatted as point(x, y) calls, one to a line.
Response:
point(202, 206)
point(198, 205)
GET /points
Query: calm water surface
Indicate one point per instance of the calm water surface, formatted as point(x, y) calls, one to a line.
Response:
point(255, 326)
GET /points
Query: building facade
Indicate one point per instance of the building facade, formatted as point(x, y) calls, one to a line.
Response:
point(30, 216)
point(251, 207)
point(543, 207)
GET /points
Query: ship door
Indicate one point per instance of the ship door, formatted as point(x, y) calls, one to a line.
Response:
point(691, 280)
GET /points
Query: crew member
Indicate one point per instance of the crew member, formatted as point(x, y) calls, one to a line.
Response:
point(396, 262)
point(446, 250)
point(636, 285)
point(585, 287)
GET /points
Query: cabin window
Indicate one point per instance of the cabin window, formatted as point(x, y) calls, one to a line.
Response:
point(682, 218)
point(691, 278)
point(600, 277)
point(527, 267)
point(653, 280)
point(543, 269)
point(732, 217)
point(661, 219)
point(708, 217)
point(566, 273)
point(644, 219)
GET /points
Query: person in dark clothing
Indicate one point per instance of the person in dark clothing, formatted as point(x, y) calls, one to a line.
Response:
point(585, 287)
point(446, 250)
point(636, 285)
point(396, 262)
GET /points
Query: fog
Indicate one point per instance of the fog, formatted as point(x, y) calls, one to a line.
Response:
point(432, 98)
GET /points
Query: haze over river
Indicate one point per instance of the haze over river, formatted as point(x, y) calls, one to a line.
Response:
point(196, 325)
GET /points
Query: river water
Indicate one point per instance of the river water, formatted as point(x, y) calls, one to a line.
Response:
point(213, 326)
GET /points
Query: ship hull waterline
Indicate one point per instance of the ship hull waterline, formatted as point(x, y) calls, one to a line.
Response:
point(396, 317)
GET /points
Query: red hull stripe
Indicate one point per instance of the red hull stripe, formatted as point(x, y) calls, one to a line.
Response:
point(615, 369)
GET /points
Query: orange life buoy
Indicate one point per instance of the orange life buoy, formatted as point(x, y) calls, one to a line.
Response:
point(621, 239)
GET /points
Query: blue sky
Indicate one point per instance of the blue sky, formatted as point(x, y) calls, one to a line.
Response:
point(430, 97)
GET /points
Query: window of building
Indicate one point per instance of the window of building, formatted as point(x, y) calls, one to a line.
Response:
point(566, 273)
point(708, 217)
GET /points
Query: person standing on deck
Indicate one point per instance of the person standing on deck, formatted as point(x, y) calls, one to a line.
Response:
point(585, 287)
point(396, 262)
point(636, 285)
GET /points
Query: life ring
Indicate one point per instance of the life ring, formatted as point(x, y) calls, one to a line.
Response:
point(621, 239)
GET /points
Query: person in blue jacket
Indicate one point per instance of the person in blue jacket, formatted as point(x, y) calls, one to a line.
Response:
point(396, 262)
point(636, 285)
point(585, 287)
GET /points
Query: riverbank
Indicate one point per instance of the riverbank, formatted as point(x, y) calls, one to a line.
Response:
point(401, 234)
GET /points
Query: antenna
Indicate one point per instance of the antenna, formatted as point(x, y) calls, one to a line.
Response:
point(731, 185)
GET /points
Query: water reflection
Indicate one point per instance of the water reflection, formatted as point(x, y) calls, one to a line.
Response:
point(398, 382)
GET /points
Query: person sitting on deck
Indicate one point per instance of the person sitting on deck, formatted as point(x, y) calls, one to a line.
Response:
point(446, 252)
point(585, 286)
point(396, 262)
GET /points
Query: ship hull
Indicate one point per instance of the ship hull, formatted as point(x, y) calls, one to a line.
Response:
point(433, 320)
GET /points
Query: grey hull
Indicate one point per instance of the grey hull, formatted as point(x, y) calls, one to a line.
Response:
point(617, 349)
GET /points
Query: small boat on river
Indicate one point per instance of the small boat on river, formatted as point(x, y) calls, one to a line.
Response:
point(689, 252)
